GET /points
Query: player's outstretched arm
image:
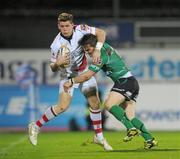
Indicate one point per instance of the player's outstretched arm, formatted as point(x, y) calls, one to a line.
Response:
point(78, 79)
point(84, 76)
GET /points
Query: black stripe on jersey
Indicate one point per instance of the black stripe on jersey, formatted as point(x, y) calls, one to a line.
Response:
point(79, 61)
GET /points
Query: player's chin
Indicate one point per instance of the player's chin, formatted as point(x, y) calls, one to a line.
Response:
point(66, 34)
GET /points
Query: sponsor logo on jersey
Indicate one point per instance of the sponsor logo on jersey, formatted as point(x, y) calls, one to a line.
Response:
point(118, 89)
point(128, 94)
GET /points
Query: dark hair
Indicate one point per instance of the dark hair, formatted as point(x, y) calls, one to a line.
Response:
point(88, 39)
point(65, 17)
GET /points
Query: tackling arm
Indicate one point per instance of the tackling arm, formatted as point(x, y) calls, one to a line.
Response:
point(83, 77)
point(79, 79)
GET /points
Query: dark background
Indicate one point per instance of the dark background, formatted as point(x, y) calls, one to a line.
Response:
point(33, 23)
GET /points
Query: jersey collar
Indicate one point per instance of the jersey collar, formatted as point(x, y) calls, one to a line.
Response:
point(67, 38)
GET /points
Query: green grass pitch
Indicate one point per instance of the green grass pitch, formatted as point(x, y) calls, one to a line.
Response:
point(73, 145)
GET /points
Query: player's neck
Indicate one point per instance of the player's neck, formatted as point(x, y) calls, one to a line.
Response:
point(67, 37)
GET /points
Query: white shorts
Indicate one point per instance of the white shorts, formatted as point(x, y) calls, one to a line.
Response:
point(85, 86)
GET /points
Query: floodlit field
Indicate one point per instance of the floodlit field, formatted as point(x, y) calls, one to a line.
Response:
point(73, 145)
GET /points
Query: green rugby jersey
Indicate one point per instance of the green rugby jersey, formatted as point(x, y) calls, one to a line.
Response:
point(111, 63)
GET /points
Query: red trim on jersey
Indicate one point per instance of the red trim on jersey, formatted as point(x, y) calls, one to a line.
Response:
point(38, 123)
point(83, 64)
point(98, 130)
point(97, 122)
point(45, 118)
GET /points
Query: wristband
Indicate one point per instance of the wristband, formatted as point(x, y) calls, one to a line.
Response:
point(99, 45)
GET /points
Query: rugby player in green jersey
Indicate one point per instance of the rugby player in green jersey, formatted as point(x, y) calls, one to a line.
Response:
point(122, 97)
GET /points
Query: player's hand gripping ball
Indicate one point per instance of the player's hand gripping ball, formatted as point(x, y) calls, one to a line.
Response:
point(65, 53)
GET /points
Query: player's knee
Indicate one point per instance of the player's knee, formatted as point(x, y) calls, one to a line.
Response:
point(94, 102)
point(95, 106)
point(59, 109)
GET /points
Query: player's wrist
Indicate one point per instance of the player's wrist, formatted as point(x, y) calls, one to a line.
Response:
point(71, 80)
point(99, 45)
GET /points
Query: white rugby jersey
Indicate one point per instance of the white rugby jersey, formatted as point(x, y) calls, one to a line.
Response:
point(78, 60)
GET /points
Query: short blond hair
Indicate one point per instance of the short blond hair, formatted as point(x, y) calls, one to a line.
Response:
point(65, 17)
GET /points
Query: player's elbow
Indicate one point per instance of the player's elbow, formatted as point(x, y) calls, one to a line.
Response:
point(100, 32)
point(53, 68)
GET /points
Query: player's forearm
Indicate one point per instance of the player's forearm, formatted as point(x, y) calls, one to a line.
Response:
point(101, 35)
point(83, 77)
point(80, 79)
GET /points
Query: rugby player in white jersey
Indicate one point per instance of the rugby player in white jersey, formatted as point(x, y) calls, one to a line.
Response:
point(69, 65)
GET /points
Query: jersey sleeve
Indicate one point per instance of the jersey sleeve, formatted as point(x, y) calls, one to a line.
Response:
point(85, 29)
point(54, 52)
point(53, 56)
point(94, 68)
point(97, 67)
point(103, 61)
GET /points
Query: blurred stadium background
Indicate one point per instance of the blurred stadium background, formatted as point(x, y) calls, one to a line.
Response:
point(146, 33)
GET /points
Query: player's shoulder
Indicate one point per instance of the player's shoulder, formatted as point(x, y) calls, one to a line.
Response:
point(56, 41)
point(82, 27)
point(57, 38)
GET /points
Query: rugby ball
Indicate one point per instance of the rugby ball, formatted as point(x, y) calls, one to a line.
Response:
point(63, 51)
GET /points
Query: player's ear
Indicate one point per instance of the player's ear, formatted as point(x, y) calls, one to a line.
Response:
point(58, 24)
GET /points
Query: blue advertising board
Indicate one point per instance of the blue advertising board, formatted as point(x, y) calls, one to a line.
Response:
point(15, 109)
point(119, 32)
